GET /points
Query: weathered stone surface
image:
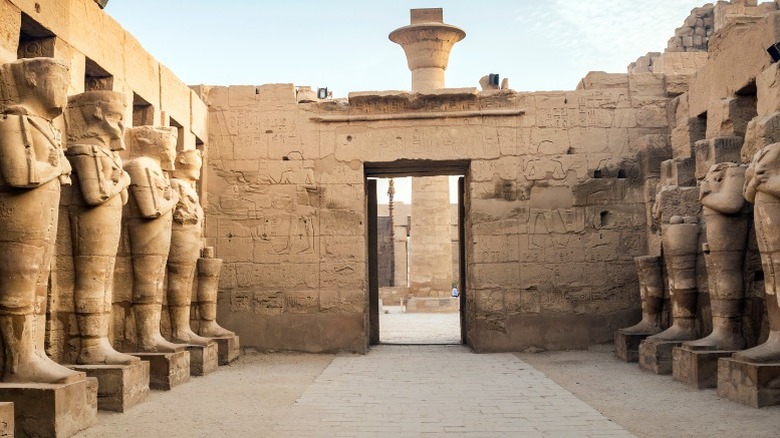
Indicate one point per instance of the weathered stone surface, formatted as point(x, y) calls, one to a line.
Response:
point(228, 349)
point(697, 369)
point(627, 345)
point(656, 356)
point(167, 370)
point(52, 410)
point(7, 419)
point(751, 384)
point(204, 359)
point(120, 387)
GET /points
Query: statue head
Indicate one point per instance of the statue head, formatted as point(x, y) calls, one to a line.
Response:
point(188, 164)
point(37, 85)
point(96, 117)
point(721, 188)
point(158, 142)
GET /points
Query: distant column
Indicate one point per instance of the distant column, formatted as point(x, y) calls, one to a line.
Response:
point(427, 42)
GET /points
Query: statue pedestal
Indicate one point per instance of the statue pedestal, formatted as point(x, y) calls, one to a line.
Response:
point(697, 368)
point(52, 410)
point(656, 356)
point(203, 360)
point(229, 349)
point(627, 345)
point(6, 419)
point(752, 384)
point(120, 387)
point(167, 370)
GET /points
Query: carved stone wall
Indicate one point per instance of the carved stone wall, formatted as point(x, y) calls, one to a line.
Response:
point(554, 206)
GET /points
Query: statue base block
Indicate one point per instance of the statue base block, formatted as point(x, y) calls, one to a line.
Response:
point(229, 349)
point(167, 370)
point(656, 356)
point(697, 368)
point(51, 410)
point(6, 419)
point(752, 384)
point(203, 360)
point(627, 345)
point(120, 387)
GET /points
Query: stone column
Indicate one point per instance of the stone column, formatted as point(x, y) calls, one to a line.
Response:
point(427, 42)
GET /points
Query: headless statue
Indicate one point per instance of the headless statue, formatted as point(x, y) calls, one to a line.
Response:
point(186, 244)
point(680, 239)
point(99, 192)
point(150, 215)
point(651, 292)
point(762, 188)
point(32, 168)
point(723, 207)
point(208, 285)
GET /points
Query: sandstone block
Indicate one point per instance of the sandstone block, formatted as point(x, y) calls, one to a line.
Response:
point(716, 150)
point(228, 349)
point(656, 356)
point(120, 387)
point(678, 172)
point(167, 370)
point(6, 419)
point(697, 368)
point(627, 345)
point(51, 410)
point(751, 384)
point(763, 130)
point(204, 360)
point(685, 134)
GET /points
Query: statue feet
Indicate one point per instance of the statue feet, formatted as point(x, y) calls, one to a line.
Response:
point(100, 352)
point(158, 344)
point(187, 336)
point(211, 329)
point(768, 352)
point(645, 326)
point(676, 332)
point(717, 341)
point(39, 369)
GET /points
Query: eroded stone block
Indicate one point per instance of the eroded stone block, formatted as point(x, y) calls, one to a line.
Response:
point(716, 150)
point(120, 387)
point(229, 349)
point(52, 410)
point(204, 359)
point(6, 419)
point(697, 368)
point(627, 345)
point(751, 384)
point(167, 370)
point(656, 356)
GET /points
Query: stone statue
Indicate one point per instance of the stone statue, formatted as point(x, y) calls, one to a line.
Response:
point(94, 121)
point(150, 215)
point(651, 292)
point(208, 284)
point(762, 188)
point(32, 168)
point(186, 244)
point(680, 239)
point(723, 207)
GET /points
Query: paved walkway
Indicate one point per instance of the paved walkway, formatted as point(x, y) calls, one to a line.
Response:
point(396, 327)
point(414, 391)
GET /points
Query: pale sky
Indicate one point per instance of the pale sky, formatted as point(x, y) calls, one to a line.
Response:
point(343, 44)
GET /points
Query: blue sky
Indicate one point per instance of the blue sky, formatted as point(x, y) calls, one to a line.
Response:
point(343, 45)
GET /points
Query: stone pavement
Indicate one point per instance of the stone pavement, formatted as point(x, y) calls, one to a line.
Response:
point(418, 328)
point(414, 391)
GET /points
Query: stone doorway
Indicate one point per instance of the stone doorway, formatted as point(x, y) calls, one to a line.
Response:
point(412, 276)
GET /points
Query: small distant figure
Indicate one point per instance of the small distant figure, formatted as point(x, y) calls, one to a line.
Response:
point(455, 292)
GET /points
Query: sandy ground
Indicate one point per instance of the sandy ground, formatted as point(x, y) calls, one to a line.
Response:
point(251, 394)
point(649, 405)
